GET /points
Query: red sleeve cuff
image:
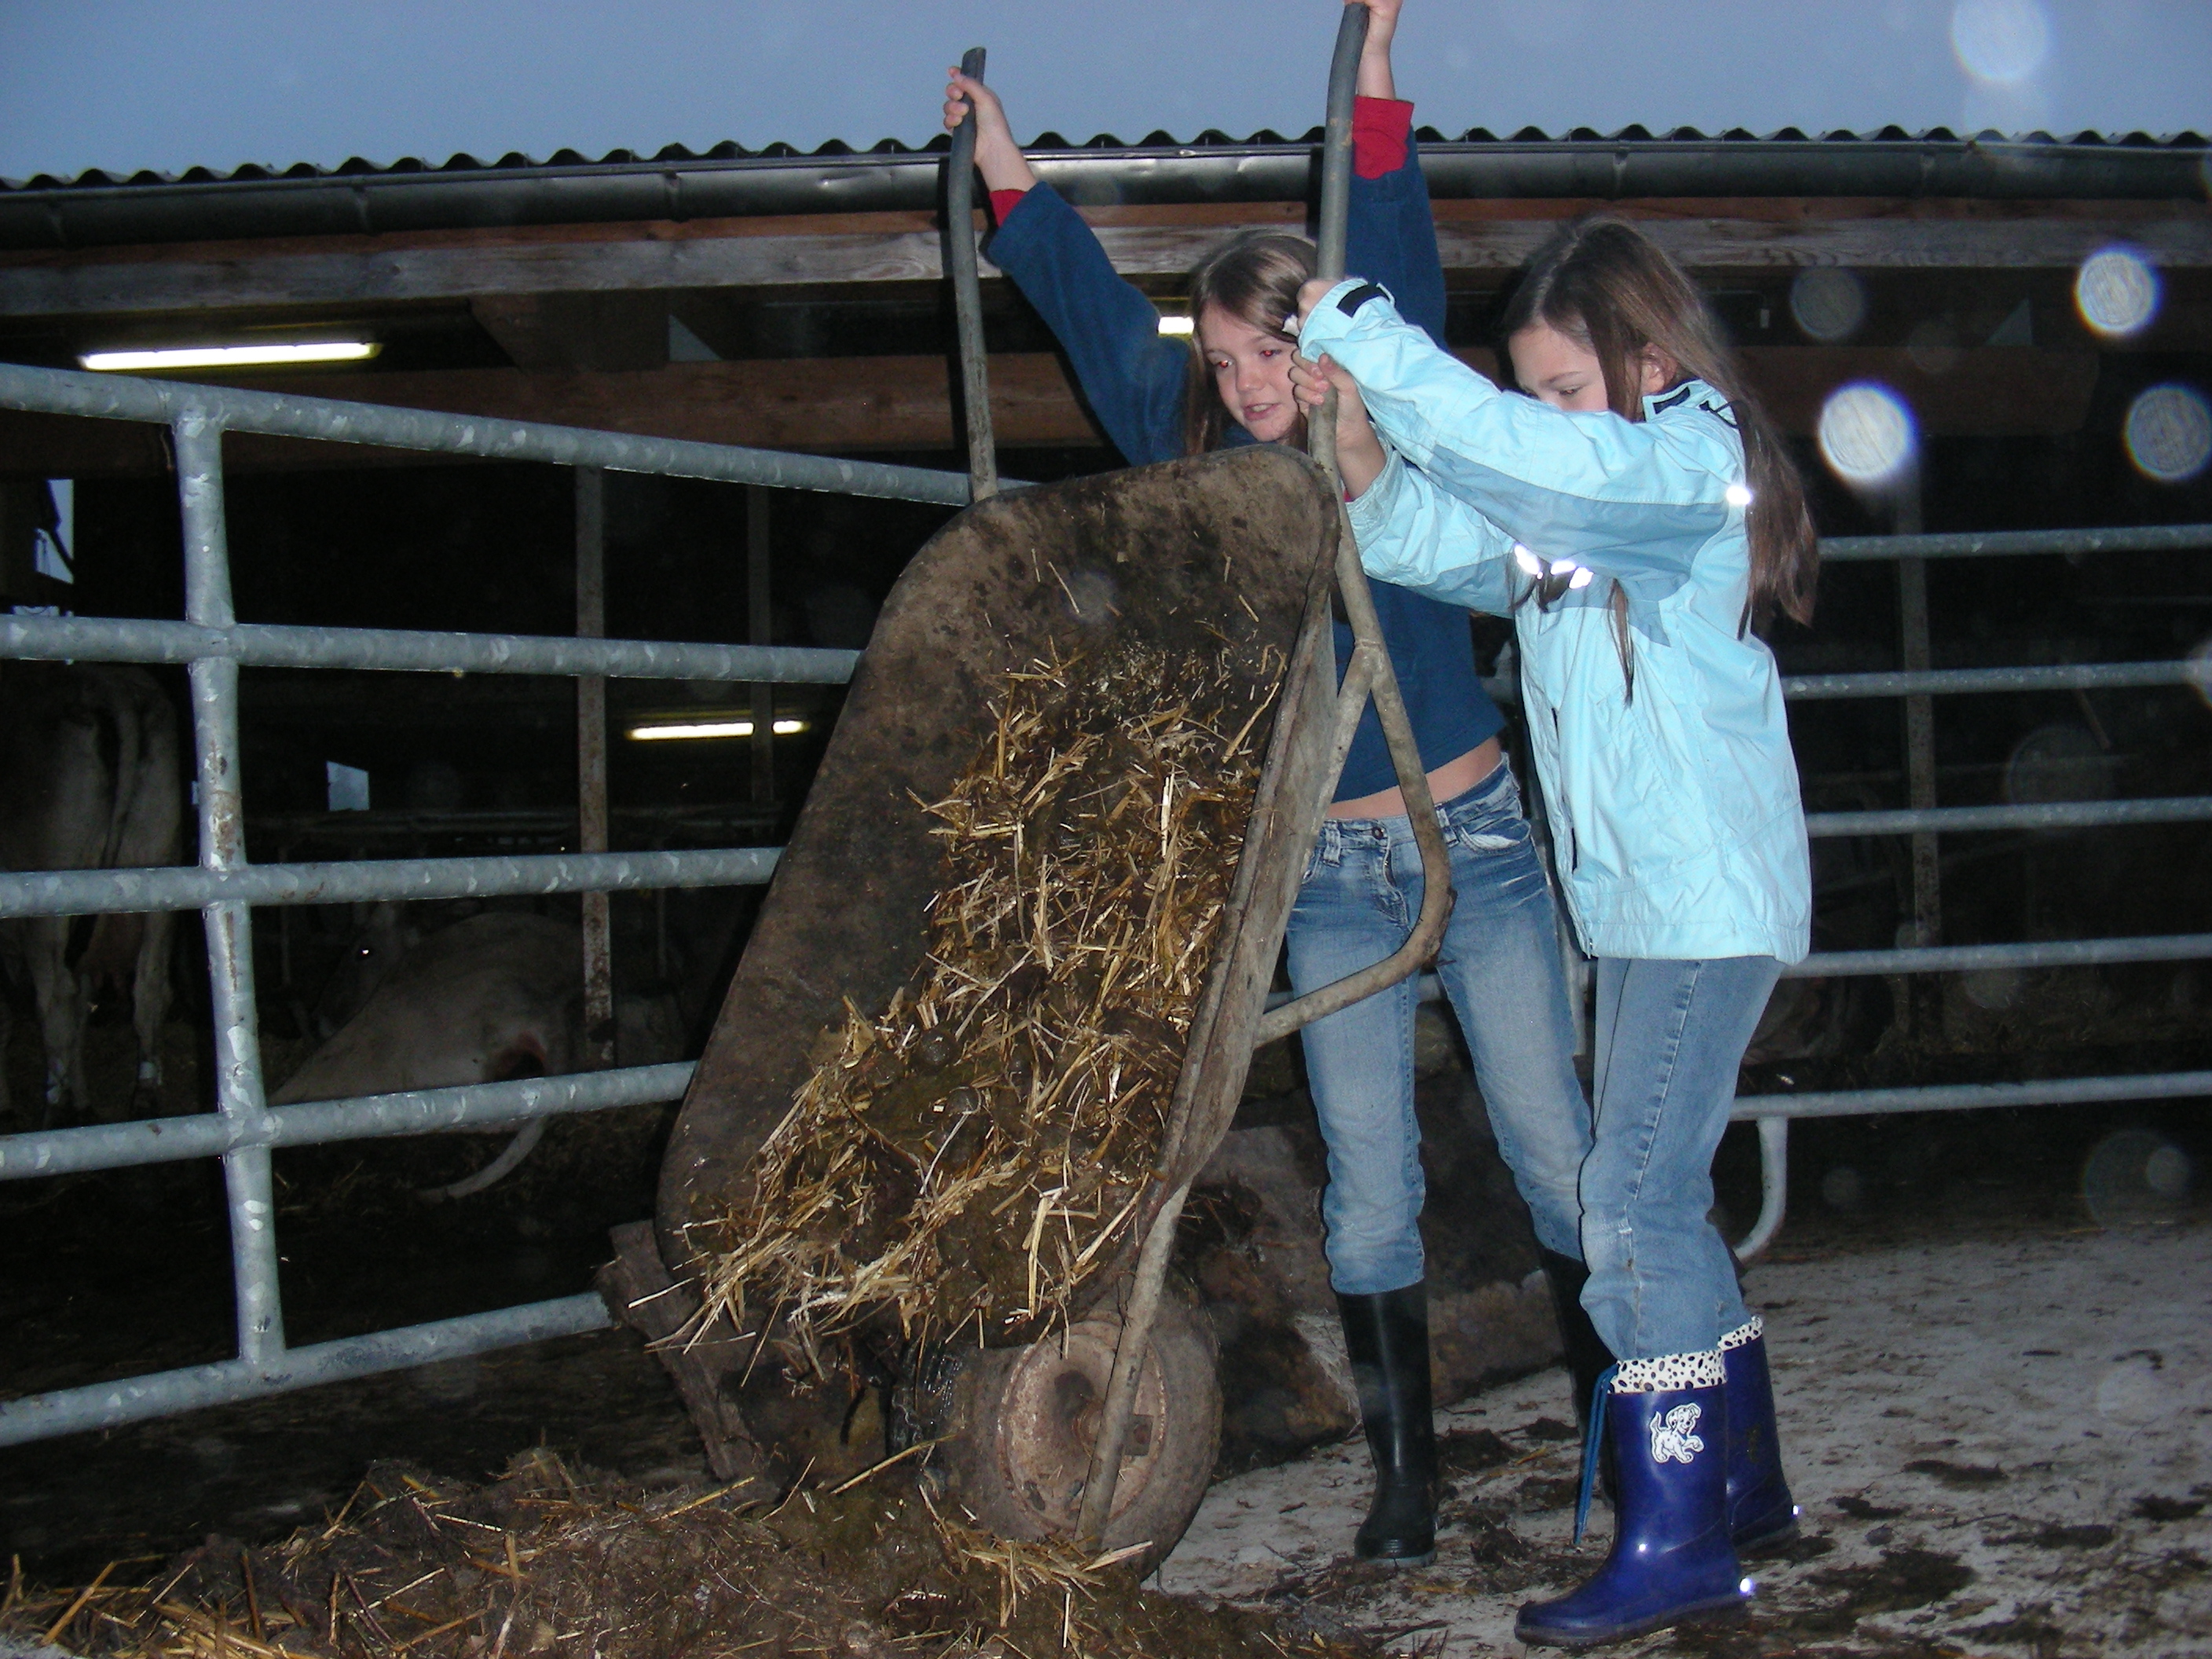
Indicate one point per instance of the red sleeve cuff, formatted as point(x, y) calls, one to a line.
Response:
point(1003, 202)
point(1380, 128)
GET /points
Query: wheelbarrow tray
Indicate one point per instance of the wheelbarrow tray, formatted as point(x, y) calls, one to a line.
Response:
point(1241, 543)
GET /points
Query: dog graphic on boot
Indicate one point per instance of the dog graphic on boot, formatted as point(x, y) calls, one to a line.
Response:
point(1675, 1436)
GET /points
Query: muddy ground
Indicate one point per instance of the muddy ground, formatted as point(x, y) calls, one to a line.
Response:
point(2052, 1261)
point(2001, 1444)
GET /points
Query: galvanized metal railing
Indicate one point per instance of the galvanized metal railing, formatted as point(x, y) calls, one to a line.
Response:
point(243, 1128)
point(1773, 1112)
point(214, 645)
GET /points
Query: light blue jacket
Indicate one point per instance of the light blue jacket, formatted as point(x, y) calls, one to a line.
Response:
point(1676, 822)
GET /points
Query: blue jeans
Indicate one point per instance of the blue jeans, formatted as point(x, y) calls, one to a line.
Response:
point(1500, 967)
point(1669, 1037)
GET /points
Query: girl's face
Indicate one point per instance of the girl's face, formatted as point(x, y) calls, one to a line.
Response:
point(1251, 369)
point(1562, 371)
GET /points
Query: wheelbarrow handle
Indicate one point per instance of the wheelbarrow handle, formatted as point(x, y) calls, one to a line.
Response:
point(967, 296)
point(1370, 673)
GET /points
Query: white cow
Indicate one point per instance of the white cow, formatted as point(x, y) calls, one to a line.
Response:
point(89, 779)
point(497, 996)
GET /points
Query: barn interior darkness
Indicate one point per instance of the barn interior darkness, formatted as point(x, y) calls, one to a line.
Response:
point(321, 534)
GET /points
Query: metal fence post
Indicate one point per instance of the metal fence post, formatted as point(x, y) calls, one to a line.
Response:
point(239, 1092)
point(591, 766)
point(1925, 1005)
point(760, 629)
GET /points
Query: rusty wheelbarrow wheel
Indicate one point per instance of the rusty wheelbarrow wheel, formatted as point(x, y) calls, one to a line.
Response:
point(1017, 1425)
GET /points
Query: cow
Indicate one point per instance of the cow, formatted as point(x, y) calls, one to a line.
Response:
point(383, 933)
point(89, 779)
point(497, 996)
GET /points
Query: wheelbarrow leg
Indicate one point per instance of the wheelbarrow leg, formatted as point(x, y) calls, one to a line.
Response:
point(1128, 1360)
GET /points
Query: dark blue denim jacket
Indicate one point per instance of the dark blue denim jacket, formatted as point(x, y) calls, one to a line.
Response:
point(1134, 379)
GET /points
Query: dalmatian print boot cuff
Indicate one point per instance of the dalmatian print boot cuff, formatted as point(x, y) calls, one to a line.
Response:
point(1669, 1372)
point(1750, 1331)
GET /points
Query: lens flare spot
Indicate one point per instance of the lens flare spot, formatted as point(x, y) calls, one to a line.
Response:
point(1866, 434)
point(1843, 1189)
point(1737, 495)
point(2136, 1390)
point(2168, 1172)
point(1828, 303)
point(2116, 291)
point(2000, 40)
point(2169, 433)
point(2200, 670)
point(1993, 989)
point(2137, 1177)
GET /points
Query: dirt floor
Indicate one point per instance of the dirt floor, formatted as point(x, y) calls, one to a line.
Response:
point(2000, 1435)
point(1989, 1330)
point(2001, 1444)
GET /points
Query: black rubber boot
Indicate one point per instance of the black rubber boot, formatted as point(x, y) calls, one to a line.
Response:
point(1386, 1339)
point(1587, 1354)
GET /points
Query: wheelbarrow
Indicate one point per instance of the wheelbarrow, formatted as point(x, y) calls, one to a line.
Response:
point(1107, 1430)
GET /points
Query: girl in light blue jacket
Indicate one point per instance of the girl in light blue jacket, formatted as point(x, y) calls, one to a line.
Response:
point(1635, 515)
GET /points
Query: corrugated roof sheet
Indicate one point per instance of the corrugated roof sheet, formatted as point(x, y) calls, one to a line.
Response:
point(514, 161)
point(98, 208)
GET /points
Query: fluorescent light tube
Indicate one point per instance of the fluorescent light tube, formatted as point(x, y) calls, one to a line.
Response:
point(232, 357)
point(730, 728)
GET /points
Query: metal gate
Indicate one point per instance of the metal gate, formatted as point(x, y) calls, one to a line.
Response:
point(215, 645)
point(1925, 821)
point(243, 1129)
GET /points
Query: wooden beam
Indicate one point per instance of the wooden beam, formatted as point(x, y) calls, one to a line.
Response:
point(611, 330)
point(887, 247)
point(818, 404)
point(56, 446)
point(1889, 242)
point(1989, 391)
point(845, 404)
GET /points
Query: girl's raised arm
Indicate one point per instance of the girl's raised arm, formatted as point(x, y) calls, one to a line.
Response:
point(1391, 233)
point(1133, 377)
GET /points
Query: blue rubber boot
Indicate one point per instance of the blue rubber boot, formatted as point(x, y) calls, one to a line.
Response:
point(1666, 1421)
point(1762, 1517)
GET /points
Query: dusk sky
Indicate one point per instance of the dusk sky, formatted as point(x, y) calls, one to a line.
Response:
point(130, 84)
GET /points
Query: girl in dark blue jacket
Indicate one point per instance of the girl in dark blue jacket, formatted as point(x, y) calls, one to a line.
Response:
point(1159, 398)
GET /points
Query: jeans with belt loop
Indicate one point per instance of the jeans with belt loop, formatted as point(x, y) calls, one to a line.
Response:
point(1500, 967)
point(1669, 1037)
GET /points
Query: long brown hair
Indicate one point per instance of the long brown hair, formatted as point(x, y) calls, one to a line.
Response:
point(1255, 278)
point(1602, 282)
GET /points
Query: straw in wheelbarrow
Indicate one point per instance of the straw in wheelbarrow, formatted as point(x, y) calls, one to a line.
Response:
point(972, 1156)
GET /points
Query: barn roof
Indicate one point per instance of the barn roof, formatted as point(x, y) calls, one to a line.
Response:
point(98, 208)
point(794, 302)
